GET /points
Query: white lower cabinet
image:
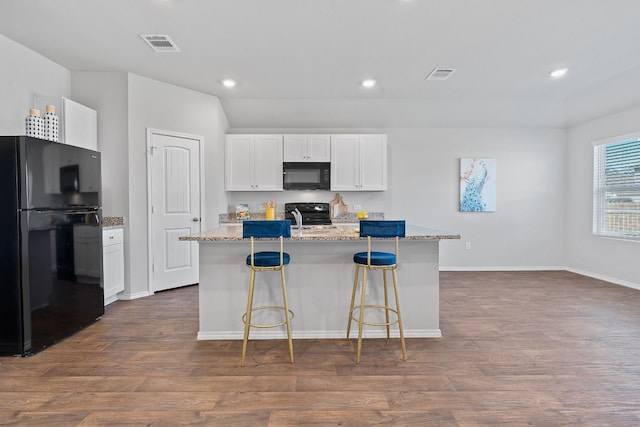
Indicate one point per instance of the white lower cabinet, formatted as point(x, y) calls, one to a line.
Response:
point(112, 264)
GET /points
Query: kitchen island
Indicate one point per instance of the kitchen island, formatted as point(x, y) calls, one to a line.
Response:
point(319, 281)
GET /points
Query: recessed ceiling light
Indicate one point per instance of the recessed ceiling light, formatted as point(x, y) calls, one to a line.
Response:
point(558, 73)
point(229, 83)
point(368, 83)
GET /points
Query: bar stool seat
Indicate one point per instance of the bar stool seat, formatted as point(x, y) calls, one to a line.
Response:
point(266, 261)
point(375, 260)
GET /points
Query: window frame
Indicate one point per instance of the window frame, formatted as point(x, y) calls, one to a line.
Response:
point(601, 189)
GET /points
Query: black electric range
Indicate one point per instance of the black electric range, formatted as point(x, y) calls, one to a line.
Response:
point(312, 213)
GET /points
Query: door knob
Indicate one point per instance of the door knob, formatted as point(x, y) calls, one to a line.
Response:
point(196, 219)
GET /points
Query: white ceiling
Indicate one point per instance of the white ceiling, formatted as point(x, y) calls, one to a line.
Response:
point(299, 62)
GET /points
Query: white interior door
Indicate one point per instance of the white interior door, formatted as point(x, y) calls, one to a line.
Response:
point(175, 209)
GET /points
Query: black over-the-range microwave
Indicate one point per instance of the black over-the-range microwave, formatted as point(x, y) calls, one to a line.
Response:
point(306, 175)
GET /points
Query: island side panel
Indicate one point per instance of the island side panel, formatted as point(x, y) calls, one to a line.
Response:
point(319, 281)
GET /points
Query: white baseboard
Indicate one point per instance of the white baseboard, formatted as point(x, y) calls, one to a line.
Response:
point(506, 268)
point(605, 278)
point(111, 299)
point(128, 297)
point(278, 335)
point(548, 268)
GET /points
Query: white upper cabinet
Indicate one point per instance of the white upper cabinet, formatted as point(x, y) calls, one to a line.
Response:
point(358, 162)
point(239, 163)
point(307, 148)
point(80, 125)
point(253, 163)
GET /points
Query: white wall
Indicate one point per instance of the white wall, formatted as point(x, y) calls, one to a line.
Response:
point(127, 105)
point(526, 231)
point(527, 228)
point(158, 105)
point(107, 93)
point(25, 74)
point(611, 259)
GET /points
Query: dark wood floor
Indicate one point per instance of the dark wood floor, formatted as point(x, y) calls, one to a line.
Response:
point(518, 349)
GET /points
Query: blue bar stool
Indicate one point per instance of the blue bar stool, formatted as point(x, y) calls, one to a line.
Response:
point(384, 261)
point(266, 261)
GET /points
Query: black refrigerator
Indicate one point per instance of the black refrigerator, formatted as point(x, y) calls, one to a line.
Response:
point(51, 282)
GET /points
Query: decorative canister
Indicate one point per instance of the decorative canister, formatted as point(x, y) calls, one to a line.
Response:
point(50, 124)
point(34, 125)
point(270, 210)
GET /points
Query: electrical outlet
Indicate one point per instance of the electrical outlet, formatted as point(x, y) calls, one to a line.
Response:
point(467, 246)
point(357, 208)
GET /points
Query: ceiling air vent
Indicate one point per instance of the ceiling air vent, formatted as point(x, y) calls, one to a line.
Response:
point(440, 74)
point(160, 43)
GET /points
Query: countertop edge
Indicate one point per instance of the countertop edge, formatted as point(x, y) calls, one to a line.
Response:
point(234, 234)
point(311, 238)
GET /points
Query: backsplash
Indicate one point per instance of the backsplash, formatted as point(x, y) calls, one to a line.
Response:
point(371, 201)
point(351, 217)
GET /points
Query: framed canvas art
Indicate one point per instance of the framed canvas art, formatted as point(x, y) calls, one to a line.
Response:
point(477, 185)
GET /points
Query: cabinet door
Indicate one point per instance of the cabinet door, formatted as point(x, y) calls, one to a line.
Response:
point(295, 148)
point(239, 163)
point(80, 125)
point(307, 148)
point(267, 151)
point(319, 148)
point(113, 264)
point(345, 159)
point(373, 162)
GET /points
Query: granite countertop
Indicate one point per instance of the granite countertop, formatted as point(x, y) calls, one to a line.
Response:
point(230, 233)
point(112, 222)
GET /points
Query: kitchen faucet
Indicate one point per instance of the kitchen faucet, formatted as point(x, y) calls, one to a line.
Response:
point(298, 217)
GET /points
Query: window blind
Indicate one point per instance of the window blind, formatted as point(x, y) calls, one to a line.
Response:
point(616, 189)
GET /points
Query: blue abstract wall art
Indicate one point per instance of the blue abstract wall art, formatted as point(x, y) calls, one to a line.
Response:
point(477, 185)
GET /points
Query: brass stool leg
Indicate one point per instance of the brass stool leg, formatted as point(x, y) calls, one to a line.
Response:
point(361, 314)
point(395, 289)
point(353, 298)
point(386, 300)
point(247, 316)
point(286, 314)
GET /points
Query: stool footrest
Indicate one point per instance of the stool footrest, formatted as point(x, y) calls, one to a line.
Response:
point(380, 307)
point(267, 307)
